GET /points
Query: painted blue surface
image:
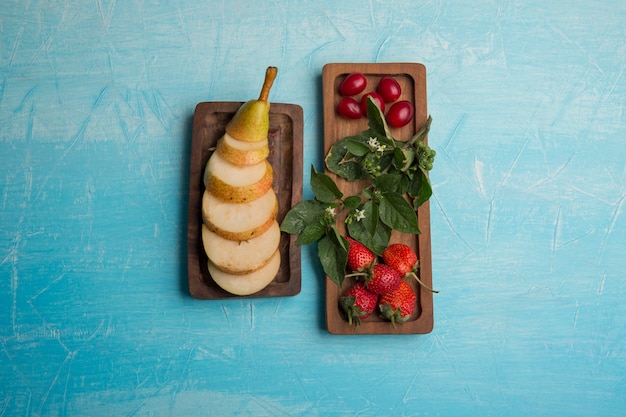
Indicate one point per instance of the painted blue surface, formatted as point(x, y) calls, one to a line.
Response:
point(528, 214)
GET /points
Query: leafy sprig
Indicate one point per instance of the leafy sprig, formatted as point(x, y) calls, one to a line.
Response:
point(398, 184)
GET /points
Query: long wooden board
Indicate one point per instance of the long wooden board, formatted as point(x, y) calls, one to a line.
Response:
point(412, 80)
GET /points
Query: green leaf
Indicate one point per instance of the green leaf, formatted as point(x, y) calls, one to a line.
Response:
point(376, 242)
point(303, 213)
point(336, 162)
point(333, 258)
point(398, 157)
point(324, 187)
point(421, 134)
point(311, 233)
point(398, 214)
point(403, 158)
point(352, 202)
point(404, 183)
point(376, 119)
point(356, 147)
point(343, 243)
point(370, 210)
point(387, 182)
point(419, 189)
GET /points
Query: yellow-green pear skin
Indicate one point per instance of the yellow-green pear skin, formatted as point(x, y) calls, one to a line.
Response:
point(242, 153)
point(246, 284)
point(230, 183)
point(239, 221)
point(241, 257)
point(251, 122)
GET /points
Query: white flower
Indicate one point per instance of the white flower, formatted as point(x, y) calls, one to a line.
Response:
point(330, 211)
point(373, 142)
point(360, 215)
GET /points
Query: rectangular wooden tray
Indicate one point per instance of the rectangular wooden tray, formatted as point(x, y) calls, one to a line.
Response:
point(412, 80)
point(285, 141)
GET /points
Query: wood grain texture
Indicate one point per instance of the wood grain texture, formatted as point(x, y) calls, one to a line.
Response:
point(412, 80)
point(285, 142)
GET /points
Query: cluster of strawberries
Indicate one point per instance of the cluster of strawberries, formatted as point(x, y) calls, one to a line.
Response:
point(380, 286)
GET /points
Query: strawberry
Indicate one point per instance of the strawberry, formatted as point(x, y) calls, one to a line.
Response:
point(403, 259)
point(360, 257)
point(382, 279)
point(398, 305)
point(358, 303)
point(400, 257)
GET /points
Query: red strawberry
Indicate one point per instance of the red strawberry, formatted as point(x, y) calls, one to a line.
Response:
point(382, 279)
point(398, 305)
point(403, 259)
point(400, 257)
point(358, 303)
point(359, 256)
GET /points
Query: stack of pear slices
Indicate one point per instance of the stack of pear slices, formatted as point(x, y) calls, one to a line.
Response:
point(240, 232)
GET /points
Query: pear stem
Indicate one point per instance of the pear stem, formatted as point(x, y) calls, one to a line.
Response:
point(270, 76)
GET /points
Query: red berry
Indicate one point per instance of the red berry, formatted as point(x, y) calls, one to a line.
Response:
point(359, 256)
point(358, 303)
point(400, 257)
point(398, 305)
point(382, 279)
point(349, 108)
point(353, 84)
point(389, 89)
point(400, 113)
point(377, 99)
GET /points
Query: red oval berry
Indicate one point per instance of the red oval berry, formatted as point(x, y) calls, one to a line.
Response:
point(400, 113)
point(377, 99)
point(349, 108)
point(353, 84)
point(389, 89)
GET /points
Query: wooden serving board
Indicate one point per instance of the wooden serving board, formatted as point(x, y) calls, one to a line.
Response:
point(285, 141)
point(412, 80)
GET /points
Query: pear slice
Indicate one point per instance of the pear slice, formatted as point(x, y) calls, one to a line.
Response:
point(251, 122)
point(241, 257)
point(246, 284)
point(237, 183)
point(239, 221)
point(238, 152)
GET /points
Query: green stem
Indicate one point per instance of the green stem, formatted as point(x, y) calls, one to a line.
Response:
point(355, 274)
point(422, 283)
point(420, 133)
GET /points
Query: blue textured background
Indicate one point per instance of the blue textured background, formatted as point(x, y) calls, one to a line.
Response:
point(528, 216)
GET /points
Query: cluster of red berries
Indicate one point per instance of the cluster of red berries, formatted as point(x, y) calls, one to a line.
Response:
point(380, 285)
point(388, 91)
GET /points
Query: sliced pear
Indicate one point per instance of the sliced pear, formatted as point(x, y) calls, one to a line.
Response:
point(235, 183)
point(239, 221)
point(246, 284)
point(235, 175)
point(238, 152)
point(251, 121)
point(241, 257)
